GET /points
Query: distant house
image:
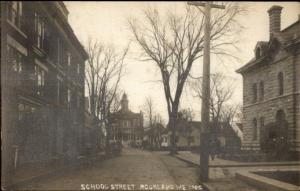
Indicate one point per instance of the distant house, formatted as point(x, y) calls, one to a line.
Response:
point(228, 138)
point(271, 86)
point(188, 136)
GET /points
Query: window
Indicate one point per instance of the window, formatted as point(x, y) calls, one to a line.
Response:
point(254, 90)
point(24, 109)
point(191, 139)
point(15, 11)
point(262, 91)
point(78, 68)
point(21, 109)
point(262, 122)
point(15, 58)
point(254, 129)
point(39, 30)
point(59, 47)
point(280, 83)
point(69, 59)
point(40, 77)
point(136, 122)
point(25, 114)
point(280, 116)
point(59, 90)
point(78, 101)
point(69, 97)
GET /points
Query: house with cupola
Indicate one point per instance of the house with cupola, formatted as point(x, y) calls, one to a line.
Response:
point(127, 126)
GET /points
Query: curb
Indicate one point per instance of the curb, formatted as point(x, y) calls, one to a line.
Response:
point(239, 165)
point(51, 173)
point(187, 161)
point(265, 183)
point(207, 186)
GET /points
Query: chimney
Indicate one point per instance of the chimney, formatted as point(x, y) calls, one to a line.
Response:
point(274, 19)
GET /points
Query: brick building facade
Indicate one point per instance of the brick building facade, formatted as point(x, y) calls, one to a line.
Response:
point(127, 125)
point(42, 74)
point(271, 89)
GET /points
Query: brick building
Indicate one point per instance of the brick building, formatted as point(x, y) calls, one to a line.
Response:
point(93, 135)
point(42, 74)
point(127, 125)
point(271, 89)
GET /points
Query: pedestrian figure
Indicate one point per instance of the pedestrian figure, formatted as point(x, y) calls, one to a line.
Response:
point(213, 148)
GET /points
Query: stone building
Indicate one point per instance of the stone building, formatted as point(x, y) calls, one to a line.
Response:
point(42, 74)
point(127, 125)
point(271, 88)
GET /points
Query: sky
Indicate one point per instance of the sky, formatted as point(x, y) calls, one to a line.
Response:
point(107, 22)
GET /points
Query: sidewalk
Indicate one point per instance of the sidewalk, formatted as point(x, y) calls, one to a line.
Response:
point(33, 172)
point(217, 162)
point(222, 173)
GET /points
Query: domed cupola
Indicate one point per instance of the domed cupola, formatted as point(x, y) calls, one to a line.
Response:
point(124, 103)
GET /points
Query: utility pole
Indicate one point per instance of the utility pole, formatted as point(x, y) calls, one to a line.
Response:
point(204, 134)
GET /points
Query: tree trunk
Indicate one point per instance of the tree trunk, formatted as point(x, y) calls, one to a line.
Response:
point(172, 123)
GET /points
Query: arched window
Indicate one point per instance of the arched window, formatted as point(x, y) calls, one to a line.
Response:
point(262, 90)
point(262, 121)
point(257, 53)
point(254, 91)
point(280, 116)
point(280, 83)
point(261, 127)
point(254, 129)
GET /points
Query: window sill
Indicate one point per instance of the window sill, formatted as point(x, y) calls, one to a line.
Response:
point(59, 66)
point(17, 29)
point(39, 51)
point(271, 99)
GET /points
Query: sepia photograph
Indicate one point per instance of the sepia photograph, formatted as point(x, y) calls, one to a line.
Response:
point(150, 95)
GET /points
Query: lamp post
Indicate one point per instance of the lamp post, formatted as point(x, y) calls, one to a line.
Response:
point(204, 134)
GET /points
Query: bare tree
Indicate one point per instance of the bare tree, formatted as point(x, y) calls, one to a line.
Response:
point(104, 70)
point(186, 114)
point(116, 102)
point(158, 119)
point(221, 91)
point(152, 115)
point(232, 113)
point(176, 42)
point(229, 113)
point(149, 110)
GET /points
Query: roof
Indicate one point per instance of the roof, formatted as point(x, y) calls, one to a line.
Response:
point(290, 26)
point(125, 113)
point(250, 64)
point(286, 37)
point(156, 128)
